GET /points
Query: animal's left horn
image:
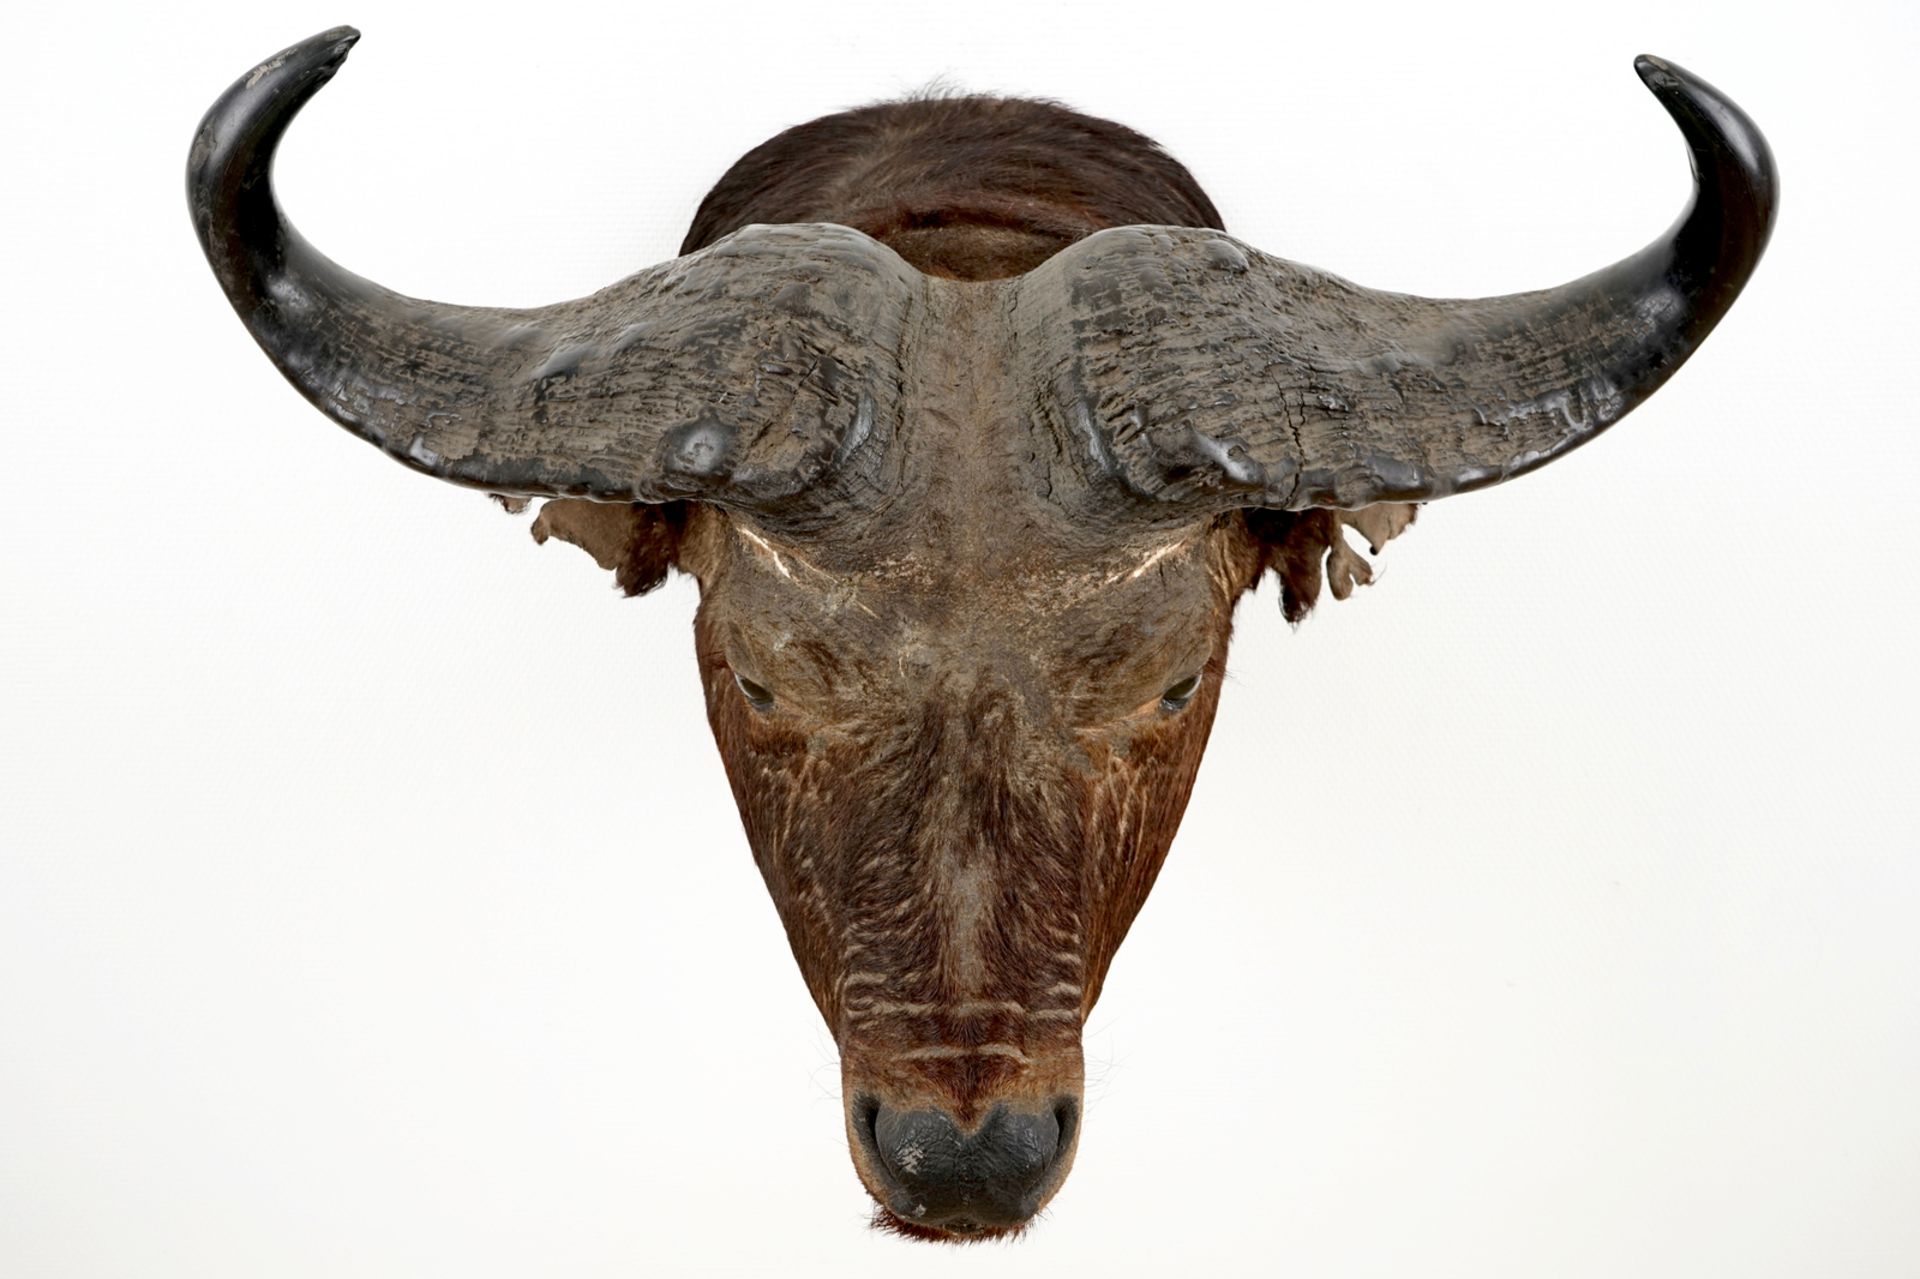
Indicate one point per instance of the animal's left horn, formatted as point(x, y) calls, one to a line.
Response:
point(1196, 370)
point(759, 372)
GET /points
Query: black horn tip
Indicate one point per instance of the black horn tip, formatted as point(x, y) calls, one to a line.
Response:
point(1650, 66)
point(325, 51)
point(1731, 155)
point(228, 189)
point(278, 86)
point(238, 132)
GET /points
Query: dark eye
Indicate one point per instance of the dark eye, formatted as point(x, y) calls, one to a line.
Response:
point(1177, 697)
point(758, 695)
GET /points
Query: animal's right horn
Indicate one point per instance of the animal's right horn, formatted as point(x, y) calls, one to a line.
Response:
point(755, 373)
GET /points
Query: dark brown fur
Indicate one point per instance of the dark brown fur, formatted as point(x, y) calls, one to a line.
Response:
point(971, 187)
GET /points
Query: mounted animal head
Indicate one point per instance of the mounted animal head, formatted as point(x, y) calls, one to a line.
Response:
point(973, 426)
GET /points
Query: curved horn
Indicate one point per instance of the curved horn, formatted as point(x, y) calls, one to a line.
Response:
point(745, 374)
point(1199, 371)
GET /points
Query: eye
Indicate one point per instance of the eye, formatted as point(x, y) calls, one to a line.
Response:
point(1177, 697)
point(758, 695)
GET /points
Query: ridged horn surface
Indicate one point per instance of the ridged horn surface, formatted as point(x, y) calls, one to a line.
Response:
point(1195, 370)
point(760, 372)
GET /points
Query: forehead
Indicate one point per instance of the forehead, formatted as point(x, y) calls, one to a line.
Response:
point(1061, 596)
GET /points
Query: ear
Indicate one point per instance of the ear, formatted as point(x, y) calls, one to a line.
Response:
point(639, 541)
point(1306, 548)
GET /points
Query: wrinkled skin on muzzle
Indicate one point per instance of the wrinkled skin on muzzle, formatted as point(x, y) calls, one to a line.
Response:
point(959, 786)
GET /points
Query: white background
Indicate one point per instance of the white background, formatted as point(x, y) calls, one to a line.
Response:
point(372, 902)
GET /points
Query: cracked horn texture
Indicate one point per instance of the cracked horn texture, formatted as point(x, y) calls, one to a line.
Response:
point(1195, 370)
point(761, 372)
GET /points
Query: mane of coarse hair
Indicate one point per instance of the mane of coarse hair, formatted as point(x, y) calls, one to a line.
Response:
point(938, 159)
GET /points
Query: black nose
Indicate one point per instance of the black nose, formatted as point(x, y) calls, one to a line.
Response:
point(991, 1178)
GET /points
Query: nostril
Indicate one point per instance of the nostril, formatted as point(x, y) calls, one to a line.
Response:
point(865, 1110)
point(1066, 1118)
point(1024, 1144)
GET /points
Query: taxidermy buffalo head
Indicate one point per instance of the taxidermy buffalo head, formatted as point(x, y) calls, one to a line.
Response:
point(973, 426)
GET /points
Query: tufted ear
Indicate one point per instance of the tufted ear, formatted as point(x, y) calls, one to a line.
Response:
point(639, 541)
point(1307, 548)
